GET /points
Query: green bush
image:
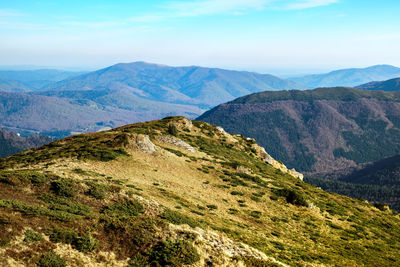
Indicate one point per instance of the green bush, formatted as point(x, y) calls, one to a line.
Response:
point(63, 235)
point(32, 236)
point(124, 209)
point(237, 193)
point(97, 190)
point(173, 253)
point(212, 207)
point(138, 261)
point(4, 241)
point(255, 214)
point(172, 130)
point(86, 243)
point(51, 260)
point(175, 217)
point(255, 262)
point(381, 206)
point(233, 211)
point(64, 187)
point(32, 210)
point(293, 197)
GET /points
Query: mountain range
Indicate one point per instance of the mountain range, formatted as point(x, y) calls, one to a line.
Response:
point(349, 77)
point(121, 94)
point(389, 85)
point(31, 80)
point(323, 132)
point(60, 103)
point(176, 192)
point(204, 87)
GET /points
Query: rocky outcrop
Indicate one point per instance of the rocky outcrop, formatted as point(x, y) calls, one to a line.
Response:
point(276, 164)
point(172, 140)
point(217, 250)
point(142, 143)
point(182, 124)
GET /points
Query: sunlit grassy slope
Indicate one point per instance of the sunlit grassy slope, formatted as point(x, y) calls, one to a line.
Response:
point(175, 192)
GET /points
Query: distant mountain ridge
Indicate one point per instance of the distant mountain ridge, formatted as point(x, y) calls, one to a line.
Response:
point(389, 85)
point(31, 80)
point(192, 85)
point(349, 77)
point(320, 132)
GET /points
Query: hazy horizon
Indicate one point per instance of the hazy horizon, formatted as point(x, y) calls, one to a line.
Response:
point(284, 73)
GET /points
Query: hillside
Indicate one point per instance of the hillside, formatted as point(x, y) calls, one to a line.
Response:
point(378, 182)
point(13, 86)
point(321, 132)
point(204, 87)
point(59, 117)
point(11, 143)
point(31, 80)
point(389, 85)
point(349, 77)
point(176, 192)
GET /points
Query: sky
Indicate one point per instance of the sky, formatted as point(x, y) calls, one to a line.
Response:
point(276, 36)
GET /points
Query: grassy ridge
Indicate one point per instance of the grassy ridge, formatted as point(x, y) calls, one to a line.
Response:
point(125, 206)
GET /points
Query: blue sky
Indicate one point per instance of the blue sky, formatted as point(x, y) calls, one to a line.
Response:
point(258, 35)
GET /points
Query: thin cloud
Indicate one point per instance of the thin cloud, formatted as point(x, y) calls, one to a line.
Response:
point(211, 7)
point(304, 4)
point(181, 9)
point(10, 13)
point(195, 8)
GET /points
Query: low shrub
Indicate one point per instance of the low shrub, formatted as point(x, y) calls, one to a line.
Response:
point(97, 190)
point(51, 259)
point(64, 187)
point(175, 217)
point(237, 193)
point(255, 262)
point(255, 214)
point(4, 241)
point(212, 207)
point(138, 261)
point(63, 235)
point(32, 210)
point(124, 209)
point(172, 130)
point(173, 253)
point(86, 243)
point(32, 236)
point(381, 206)
point(233, 211)
point(293, 197)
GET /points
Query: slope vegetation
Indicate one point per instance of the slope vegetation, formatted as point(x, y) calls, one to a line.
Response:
point(176, 192)
point(11, 143)
point(321, 131)
point(377, 182)
point(389, 85)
